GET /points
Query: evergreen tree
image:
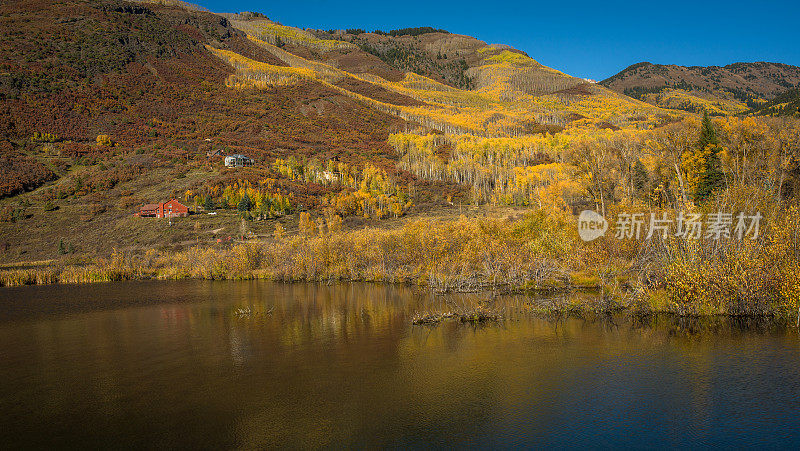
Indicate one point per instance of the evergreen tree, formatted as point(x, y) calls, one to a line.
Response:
point(209, 203)
point(245, 204)
point(61, 248)
point(708, 145)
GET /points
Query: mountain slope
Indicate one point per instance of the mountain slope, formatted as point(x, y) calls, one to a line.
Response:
point(496, 91)
point(720, 90)
point(786, 104)
point(152, 91)
point(108, 105)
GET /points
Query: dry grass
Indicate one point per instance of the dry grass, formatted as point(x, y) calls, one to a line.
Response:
point(479, 254)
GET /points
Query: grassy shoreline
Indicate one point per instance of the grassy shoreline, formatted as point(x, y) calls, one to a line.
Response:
point(564, 302)
point(536, 254)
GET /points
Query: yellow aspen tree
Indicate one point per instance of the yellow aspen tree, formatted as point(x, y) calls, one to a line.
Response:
point(320, 226)
point(278, 233)
point(334, 224)
point(306, 225)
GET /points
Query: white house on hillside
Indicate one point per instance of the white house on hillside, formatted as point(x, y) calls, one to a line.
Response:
point(238, 161)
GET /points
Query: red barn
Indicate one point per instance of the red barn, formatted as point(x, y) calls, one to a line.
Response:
point(171, 209)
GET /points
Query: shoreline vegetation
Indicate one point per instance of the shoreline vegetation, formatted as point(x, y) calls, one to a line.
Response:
point(538, 253)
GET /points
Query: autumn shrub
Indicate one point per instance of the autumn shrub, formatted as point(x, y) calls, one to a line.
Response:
point(9, 214)
point(737, 277)
point(104, 140)
point(457, 254)
point(238, 262)
point(19, 173)
point(243, 259)
point(126, 202)
point(789, 291)
point(29, 276)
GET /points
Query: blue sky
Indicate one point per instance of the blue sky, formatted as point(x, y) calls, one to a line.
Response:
point(592, 39)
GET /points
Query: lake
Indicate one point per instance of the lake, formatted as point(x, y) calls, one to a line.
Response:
point(200, 364)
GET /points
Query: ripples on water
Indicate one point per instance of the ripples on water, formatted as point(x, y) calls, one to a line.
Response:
point(255, 364)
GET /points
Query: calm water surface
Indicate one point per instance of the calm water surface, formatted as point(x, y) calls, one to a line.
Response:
point(171, 364)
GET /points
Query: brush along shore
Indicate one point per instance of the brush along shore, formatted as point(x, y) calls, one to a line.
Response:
point(539, 253)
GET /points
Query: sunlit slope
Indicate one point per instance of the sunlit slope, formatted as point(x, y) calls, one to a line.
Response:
point(277, 34)
point(507, 74)
point(512, 95)
point(719, 103)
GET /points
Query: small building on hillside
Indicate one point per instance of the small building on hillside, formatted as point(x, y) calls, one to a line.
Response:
point(170, 209)
point(238, 161)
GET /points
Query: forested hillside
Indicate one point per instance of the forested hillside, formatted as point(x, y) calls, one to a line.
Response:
point(729, 89)
point(786, 104)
